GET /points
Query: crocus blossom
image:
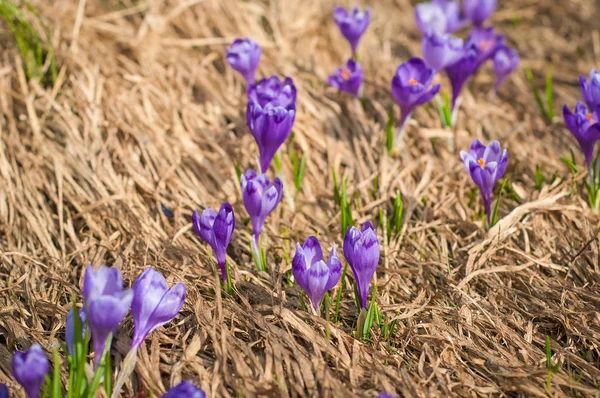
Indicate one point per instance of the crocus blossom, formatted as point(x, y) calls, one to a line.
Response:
point(352, 24)
point(185, 389)
point(441, 50)
point(485, 165)
point(30, 369)
point(244, 56)
point(314, 275)
point(361, 249)
point(584, 126)
point(459, 72)
point(348, 79)
point(106, 304)
point(506, 61)
point(216, 229)
point(411, 86)
point(385, 395)
point(70, 328)
point(591, 89)
point(486, 43)
point(479, 10)
point(270, 115)
point(441, 16)
point(154, 304)
point(3, 391)
point(260, 198)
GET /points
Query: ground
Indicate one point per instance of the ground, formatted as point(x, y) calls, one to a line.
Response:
point(145, 111)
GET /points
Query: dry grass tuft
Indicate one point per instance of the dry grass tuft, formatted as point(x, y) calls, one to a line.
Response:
point(145, 111)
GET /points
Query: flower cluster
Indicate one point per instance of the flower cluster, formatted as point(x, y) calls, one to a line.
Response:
point(460, 59)
point(106, 303)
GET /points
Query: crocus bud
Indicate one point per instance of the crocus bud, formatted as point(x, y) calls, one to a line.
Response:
point(441, 50)
point(30, 369)
point(385, 395)
point(3, 391)
point(260, 198)
point(70, 328)
point(459, 72)
point(506, 61)
point(352, 24)
point(348, 79)
point(591, 89)
point(411, 86)
point(361, 249)
point(154, 304)
point(185, 389)
point(585, 128)
point(216, 230)
point(313, 274)
point(106, 304)
point(244, 56)
point(270, 115)
point(485, 165)
point(441, 16)
point(479, 10)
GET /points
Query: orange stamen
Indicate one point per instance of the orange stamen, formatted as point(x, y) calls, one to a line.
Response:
point(589, 117)
point(346, 74)
point(486, 45)
point(481, 162)
point(412, 82)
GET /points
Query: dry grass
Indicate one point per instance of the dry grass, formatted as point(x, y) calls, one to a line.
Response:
point(146, 111)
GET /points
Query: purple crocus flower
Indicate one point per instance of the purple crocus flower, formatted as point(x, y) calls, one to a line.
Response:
point(70, 328)
point(441, 50)
point(313, 274)
point(591, 89)
point(30, 369)
point(244, 56)
point(106, 304)
point(348, 79)
point(154, 304)
point(485, 165)
point(185, 389)
point(411, 86)
point(461, 71)
point(352, 24)
point(486, 42)
point(3, 391)
point(216, 229)
point(585, 128)
point(270, 115)
point(479, 10)
point(506, 61)
point(441, 16)
point(361, 249)
point(385, 395)
point(260, 198)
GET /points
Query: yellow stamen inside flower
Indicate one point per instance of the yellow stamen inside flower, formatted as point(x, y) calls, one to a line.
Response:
point(412, 82)
point(346, 74)
point(589, 117)
point(481, 162)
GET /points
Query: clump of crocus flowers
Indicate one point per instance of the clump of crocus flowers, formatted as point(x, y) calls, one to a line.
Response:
point(485, 165)
point(106, 303)
point(584, 124)
point(462, 59)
